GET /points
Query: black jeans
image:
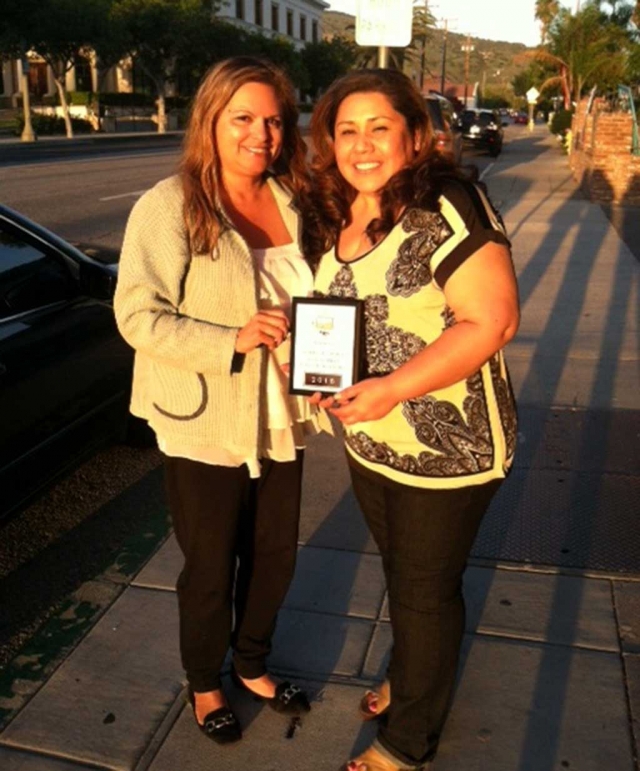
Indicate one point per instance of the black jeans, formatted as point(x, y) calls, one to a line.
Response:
point(239, 540)
point(424, 537)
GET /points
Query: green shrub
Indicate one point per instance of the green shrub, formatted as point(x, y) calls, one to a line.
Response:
point(80, 97)
point(48, 125)
point(561, 122)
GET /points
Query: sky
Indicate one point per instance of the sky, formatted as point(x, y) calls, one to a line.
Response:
point(510, 20)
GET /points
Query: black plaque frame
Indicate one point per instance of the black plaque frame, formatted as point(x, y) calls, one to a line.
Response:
point(355, 370)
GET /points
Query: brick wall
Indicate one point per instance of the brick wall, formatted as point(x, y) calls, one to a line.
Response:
point(601, 157)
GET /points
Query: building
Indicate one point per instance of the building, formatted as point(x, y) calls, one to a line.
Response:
point(455, 92)
point(297, 20)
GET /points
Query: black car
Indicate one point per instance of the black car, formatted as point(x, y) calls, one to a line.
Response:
point(483, 129)
point(65, 373)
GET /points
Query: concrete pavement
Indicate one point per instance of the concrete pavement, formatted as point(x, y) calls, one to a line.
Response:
point(550, 672)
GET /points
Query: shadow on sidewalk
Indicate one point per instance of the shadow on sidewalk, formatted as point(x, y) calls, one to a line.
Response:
point(584, 498)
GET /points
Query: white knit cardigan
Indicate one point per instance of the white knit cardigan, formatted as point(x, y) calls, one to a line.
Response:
point(181, 312)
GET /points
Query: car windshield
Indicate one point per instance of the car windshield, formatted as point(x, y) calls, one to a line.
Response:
point(481, 118)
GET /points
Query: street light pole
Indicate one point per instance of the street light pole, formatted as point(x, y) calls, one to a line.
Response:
point(28, 134)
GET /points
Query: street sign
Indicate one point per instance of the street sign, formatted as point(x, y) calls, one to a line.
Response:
point(532, 95)
point(384, 23)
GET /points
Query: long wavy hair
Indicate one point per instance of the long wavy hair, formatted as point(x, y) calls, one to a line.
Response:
point(327, 206)
point(200, 164)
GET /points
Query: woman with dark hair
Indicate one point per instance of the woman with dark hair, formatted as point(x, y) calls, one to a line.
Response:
point(430, 431)
point(211, 258)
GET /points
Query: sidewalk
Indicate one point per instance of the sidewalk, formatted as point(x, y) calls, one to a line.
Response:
point(550, 672)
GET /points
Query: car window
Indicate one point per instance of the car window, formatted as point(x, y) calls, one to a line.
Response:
point(447, 112)
point(433, 108)
point(30, 277)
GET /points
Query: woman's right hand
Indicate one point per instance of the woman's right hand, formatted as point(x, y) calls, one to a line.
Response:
point(268, 327)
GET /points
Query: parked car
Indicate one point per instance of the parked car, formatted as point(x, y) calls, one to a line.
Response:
point(445, 125)
point(65, 372)
point(483, 129)
point(520, 118)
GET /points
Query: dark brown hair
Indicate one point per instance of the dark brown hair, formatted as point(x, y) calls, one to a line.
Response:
point(327, 207)
point(200, 164)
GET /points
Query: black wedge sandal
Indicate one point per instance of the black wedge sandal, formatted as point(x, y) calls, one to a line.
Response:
point(290, 699)
point(220, 725)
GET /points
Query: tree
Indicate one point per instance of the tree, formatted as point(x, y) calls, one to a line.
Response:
point(61, 31)
point(546, 11)
point(15, 43)
point(282, 52)
point(421, 30)
point(327, 60)
point(536, 74)
point(583, 49)
point(110, 43)
point(213, 42)
point(159, 34)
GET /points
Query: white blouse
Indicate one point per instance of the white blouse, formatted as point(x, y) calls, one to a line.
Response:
point(283, 273)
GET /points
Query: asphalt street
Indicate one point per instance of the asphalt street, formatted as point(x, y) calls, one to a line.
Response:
point(85, 192)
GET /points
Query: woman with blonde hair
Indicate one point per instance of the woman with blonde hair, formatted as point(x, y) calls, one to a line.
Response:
point(210, 260)
point(430, 430)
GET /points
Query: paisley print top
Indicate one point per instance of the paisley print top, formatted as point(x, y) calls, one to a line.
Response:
point(460, 435)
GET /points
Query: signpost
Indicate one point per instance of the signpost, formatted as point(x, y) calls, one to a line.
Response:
point(532, 97)
point(384, 23)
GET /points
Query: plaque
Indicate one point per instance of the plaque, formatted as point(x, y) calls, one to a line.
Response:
point(326, 344)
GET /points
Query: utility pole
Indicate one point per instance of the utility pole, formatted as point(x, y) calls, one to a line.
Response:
point(423, 44)
point(468, 48)
point(444, 56)
point(486, 55)
point(443, 74)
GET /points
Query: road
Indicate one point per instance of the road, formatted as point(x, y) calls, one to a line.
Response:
point(85, 198)
point(75, 531)
point(88, 196)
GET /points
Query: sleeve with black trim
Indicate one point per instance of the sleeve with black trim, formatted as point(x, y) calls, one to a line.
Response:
point(474, 222)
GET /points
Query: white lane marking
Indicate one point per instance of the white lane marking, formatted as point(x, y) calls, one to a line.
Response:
point(133, 194)
point(490, 166)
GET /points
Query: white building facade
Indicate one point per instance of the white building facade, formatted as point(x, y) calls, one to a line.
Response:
point(297, 20)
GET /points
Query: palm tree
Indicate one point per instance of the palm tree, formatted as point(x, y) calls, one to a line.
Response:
point(584, 48)
point(546, 11)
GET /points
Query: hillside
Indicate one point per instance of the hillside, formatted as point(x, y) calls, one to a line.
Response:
point(503, 60)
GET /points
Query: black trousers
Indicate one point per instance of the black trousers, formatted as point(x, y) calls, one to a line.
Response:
point(424, 538)
point(239, 539)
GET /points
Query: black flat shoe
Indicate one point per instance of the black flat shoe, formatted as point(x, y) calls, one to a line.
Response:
point(221, 724)
point(289, 699)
